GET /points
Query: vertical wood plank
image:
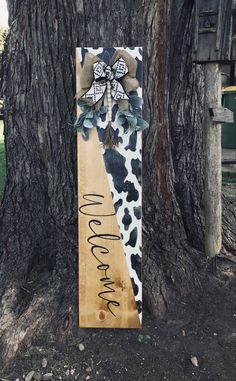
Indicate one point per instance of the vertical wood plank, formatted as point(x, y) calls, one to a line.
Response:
point(213, 178)
point(106, 297)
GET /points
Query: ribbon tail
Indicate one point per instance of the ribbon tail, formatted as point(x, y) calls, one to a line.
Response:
point(96, 91)
point(110, 140)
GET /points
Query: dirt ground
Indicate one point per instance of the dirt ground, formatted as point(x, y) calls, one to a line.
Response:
point(162, 350)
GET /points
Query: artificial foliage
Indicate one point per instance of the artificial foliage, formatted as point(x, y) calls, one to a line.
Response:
point(130, 119)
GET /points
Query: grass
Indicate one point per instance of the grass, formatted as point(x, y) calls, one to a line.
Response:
point(2, 161)
point(228, 178)
point(229, 184)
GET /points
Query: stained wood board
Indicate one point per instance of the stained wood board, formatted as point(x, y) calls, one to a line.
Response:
point(109, 223)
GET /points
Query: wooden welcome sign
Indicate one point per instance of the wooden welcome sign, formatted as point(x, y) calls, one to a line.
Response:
point(109, 186)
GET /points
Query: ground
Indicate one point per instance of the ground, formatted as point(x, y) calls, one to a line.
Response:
point(203, 326)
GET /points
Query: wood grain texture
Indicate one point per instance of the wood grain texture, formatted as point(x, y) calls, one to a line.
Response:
point(212, 37)
point(106, 296)
point(222, 115)
point(213, 176)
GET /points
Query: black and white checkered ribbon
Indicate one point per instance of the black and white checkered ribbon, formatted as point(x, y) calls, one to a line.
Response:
point(104, 73)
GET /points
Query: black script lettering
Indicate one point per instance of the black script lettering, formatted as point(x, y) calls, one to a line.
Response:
point(87, 197)
point(100, 249)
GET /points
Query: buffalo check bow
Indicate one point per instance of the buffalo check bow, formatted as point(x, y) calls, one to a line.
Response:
point(104, 73)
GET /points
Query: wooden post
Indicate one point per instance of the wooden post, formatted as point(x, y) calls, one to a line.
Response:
point(212, 46)
point(213, 177)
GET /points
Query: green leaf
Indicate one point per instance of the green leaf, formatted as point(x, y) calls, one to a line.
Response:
point(103, 110)
point(79, 122)
point(95, 120)
point(140, 338)
point(127, 113)
point(142, 124)
point(90, 115)
point(136, 101)
point(132, 121)
point(88, 123)
point(85, 134)
point(143, 338)
point(121, 119)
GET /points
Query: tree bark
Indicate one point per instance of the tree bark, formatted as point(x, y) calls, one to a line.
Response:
point(38, 218)
point(173, 156)
point(38, 215)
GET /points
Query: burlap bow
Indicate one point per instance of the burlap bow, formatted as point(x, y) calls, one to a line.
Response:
point(104, 73)
point(121, 73)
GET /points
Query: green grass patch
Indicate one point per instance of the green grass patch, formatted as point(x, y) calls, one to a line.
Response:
point(229, 184)
point(228, 178)
point(2, 161)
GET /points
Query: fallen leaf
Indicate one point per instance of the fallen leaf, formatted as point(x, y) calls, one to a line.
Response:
point(81, 347)
point(194, 361)
point(44, 362)
point(29, 376)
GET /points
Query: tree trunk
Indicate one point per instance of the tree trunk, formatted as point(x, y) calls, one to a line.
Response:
point(173, 156)
point(38, 215)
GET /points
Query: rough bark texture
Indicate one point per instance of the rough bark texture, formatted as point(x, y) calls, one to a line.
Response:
point(38, 215)
point(173, 156)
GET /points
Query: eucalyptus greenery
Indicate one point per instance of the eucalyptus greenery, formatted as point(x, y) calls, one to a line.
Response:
point(129, 119)
point(88, 118)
